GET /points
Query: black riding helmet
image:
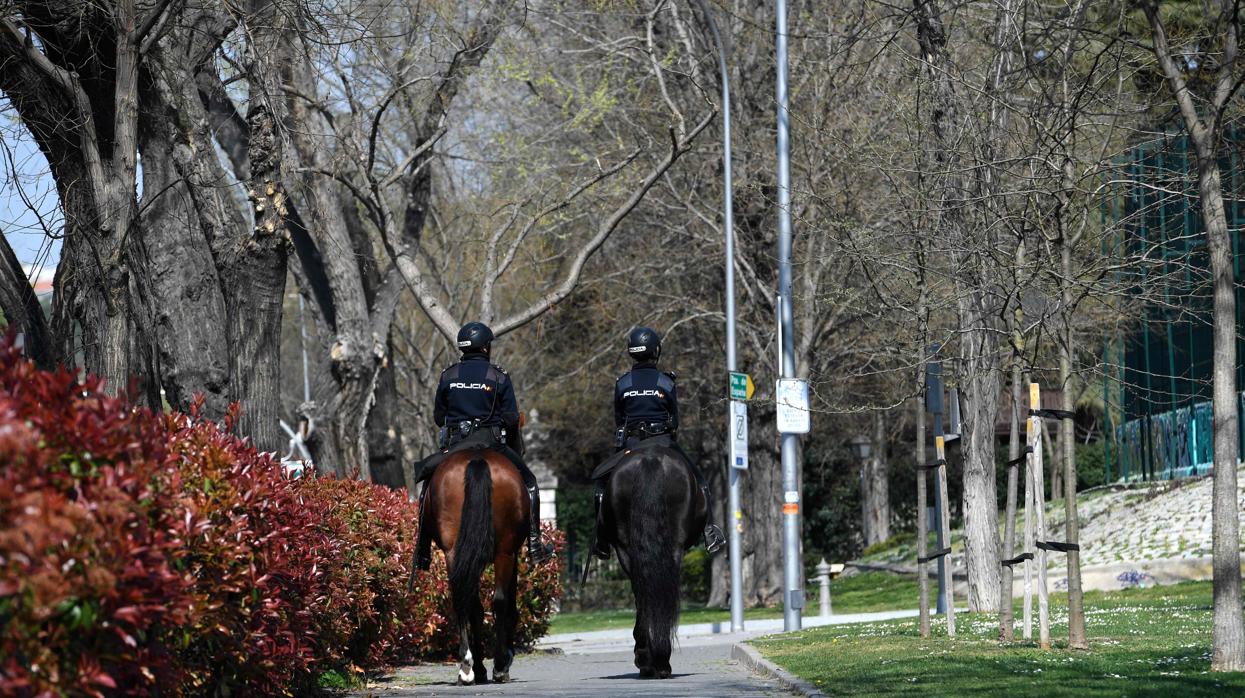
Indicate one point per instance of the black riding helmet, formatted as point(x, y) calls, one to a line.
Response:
point(474, 337)
point(644, 344)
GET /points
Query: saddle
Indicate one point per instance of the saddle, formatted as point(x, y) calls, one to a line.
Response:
point(607, 466)
point(478, 440)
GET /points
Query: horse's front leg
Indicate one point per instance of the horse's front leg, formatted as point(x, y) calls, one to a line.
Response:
point(505, 614)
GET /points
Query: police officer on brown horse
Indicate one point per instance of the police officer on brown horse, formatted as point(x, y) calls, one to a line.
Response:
point(646, 415)
point(476, 408)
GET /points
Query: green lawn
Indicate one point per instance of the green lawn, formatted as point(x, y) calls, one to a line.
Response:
point(1143, 642)
point(873, 591)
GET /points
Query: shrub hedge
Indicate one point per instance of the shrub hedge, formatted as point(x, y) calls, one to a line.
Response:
point(145, 553)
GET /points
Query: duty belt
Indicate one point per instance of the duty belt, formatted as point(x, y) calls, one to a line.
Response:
point(649, 429)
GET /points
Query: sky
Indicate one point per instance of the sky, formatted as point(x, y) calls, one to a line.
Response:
point(27, 197)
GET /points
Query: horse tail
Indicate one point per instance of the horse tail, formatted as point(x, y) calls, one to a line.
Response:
point(655, 560)
point(473, 550)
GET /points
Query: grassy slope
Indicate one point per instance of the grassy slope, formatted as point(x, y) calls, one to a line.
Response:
point(1143, 642)
point(857, 594)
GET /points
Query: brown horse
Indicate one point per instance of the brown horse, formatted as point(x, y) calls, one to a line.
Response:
point(478, 514)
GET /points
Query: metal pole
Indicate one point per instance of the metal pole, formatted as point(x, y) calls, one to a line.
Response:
point(793, 594)
point(735, 512)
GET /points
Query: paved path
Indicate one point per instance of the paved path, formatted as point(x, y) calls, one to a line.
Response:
point(699, 670)
point(599, 664)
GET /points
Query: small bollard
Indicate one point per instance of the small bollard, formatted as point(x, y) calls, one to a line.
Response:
point(823, 576)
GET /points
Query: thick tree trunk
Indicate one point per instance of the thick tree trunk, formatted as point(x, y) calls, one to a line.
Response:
point(979, 355)
point(385, 442)
point(183, 208)
point(254, 291)
point(255, 270)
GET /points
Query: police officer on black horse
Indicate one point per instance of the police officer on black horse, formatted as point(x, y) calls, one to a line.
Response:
point(476, 408)
point(646, 414)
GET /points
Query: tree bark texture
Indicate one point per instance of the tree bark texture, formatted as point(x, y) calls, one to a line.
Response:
point(875, 495)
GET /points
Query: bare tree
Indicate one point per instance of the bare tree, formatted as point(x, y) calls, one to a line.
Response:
point(1203, 118)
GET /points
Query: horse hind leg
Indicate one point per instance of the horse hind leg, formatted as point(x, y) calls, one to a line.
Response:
point(466, 672)
point(506, 613)
point(643, 655)
point(477, 642)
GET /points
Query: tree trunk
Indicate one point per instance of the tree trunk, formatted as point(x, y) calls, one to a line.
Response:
point(978, 342)
point(979, 354)
point(1228, 630)
point(1067, 444)
point(183, 208)
point(385, 442)
point(1007, 631)
point(255, 272)
point(875, 495)
point(762, 537)
point(1228, 627)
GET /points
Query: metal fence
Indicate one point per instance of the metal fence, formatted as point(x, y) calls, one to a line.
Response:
point(1173, 444)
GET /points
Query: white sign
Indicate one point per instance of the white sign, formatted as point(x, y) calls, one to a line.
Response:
point(739, 435)
point(793, 409)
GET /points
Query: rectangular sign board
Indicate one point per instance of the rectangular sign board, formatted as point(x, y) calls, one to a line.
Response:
point(793, 406)
point(739, 435)
point(741, 386)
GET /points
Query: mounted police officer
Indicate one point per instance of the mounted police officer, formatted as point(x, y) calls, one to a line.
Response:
point(646, 414)
point(476, 408)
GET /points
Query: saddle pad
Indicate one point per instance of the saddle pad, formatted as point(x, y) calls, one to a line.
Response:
point(608, 465)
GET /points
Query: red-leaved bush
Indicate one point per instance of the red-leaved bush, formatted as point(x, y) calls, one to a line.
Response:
point(147, 553)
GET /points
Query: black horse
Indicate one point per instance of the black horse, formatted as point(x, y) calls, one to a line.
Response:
point(654, 513)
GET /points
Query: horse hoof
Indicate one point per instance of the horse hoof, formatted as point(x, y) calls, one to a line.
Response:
point(503, 677)
point(466, 678)
point(663, 673)
point(647, 672)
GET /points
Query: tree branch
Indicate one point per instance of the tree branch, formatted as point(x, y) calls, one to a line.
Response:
point(564, 289)
point(21, 307)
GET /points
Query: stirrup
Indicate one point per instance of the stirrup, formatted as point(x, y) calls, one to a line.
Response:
point(599, 550)
point(714, 540)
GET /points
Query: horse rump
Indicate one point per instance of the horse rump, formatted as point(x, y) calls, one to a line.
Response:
point(473, 550)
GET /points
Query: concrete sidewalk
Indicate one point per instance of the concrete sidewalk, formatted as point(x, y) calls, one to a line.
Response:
point(697, 634)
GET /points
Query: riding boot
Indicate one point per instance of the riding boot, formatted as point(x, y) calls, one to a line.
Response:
point(600, 547)
point(537, 552)
point(423, 542)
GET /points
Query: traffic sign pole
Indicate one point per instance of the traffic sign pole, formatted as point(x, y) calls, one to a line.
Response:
point(735, 513)
point(793, 592)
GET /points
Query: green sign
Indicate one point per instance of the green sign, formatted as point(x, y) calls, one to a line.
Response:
point(741, 386)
